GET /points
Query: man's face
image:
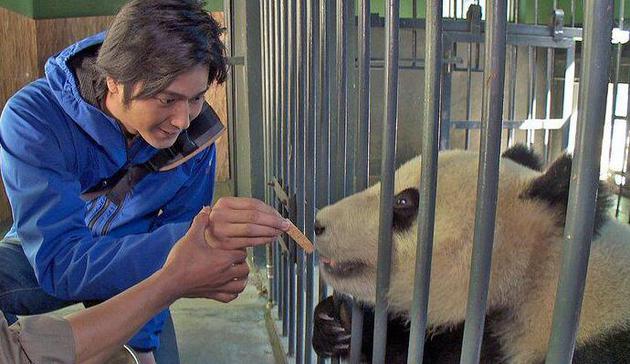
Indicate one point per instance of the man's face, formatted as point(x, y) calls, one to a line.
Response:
point(160, 118)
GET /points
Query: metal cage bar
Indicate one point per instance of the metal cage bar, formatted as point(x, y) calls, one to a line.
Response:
point(290, 185)
point(323, 160)
point(428, 180)
point(387, 179)
point(363, 148)
point(488, 180)
point(300, 151)
point(578, 230)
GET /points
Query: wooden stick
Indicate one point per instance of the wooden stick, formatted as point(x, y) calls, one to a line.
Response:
point(301, 239)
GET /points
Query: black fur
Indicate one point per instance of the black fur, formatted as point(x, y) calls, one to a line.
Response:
point(612, 348)
point(522, 155)
point(442, 346)
point(553, 187)
point(405, 209)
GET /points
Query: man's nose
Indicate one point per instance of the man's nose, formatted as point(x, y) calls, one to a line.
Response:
point(181, 119)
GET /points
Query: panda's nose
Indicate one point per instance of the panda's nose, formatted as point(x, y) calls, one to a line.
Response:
point(319, 229)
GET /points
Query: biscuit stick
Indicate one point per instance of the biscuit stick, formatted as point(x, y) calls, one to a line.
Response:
point(300, 239)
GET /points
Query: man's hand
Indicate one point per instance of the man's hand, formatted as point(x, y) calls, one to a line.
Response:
point(238, 222)
point(210, 260)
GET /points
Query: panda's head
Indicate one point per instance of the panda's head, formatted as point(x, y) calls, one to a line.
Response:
point(529, 222)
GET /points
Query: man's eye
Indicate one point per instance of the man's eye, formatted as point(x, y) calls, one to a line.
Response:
point(166, 101)
point(197, 99)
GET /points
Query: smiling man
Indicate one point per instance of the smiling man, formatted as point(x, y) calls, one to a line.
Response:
point(108, 108)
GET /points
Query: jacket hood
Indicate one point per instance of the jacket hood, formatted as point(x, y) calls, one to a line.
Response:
point(62, 81)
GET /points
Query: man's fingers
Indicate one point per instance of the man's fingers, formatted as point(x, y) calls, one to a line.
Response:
point(233, 286)
point(222, 297)
point(256, 217)
point(245, 203)
point(248, 231)
point(240, 243)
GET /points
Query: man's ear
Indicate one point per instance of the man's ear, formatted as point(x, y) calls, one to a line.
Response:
point(113, 86)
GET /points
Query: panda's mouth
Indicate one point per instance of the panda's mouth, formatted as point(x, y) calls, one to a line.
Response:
point(345, 268)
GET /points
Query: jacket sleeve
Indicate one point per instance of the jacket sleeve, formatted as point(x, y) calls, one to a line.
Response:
point(39, 173)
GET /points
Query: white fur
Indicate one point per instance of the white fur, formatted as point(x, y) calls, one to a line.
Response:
point(525, 263)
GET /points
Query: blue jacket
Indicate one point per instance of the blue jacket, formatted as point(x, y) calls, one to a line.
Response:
point(56, 146)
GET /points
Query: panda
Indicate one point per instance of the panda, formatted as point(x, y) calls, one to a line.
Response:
point(531, 211)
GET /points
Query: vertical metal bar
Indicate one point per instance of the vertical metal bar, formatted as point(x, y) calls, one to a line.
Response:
point(445, 122)
point(613, 115)
point(342, 95)
point(548, 79)
point(309, 225)
point(531, 93)
point(263, 86)
point(265, 50)
point(277, 147)
point(231, 93)
point(300, 122)
point(488, 179)
point(578, 230)
point(624, 169)
point(333, 116)
point(363, 148)
point(284, 122)
point(428, 179)
point(468, 95)
point(350, 28)
point(512, 91)
point(567, 102)
point(290, 186)
point(323, 154)
point(387, 178)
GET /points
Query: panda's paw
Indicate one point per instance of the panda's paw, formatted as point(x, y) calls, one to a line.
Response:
point(331, 336)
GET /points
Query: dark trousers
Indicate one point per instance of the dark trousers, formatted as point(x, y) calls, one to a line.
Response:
point(20, 294)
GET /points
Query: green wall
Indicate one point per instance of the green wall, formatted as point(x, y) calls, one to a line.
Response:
point(46, 9)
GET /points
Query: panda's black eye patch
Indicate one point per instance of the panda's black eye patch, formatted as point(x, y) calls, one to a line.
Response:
point(405, 208)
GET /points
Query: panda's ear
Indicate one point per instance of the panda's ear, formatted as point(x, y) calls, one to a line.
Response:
point(553, 187)
point(524, 156)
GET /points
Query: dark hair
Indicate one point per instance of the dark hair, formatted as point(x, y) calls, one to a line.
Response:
point(154, 41)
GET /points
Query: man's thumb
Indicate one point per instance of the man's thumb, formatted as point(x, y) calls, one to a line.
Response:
point(200, 221)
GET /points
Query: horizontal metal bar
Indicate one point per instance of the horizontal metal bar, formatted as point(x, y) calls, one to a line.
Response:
point(513, 39)
point(527, 124)
point(234, 61)
point(462, 25)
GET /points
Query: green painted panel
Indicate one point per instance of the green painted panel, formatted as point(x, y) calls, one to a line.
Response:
point(406, 8)
point(47, 9)
point(24, 7)
point(527, 12)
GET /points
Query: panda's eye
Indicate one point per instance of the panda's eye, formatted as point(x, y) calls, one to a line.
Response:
point(405, 208)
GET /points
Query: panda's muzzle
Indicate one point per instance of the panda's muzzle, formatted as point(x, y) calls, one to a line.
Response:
point(343, 269)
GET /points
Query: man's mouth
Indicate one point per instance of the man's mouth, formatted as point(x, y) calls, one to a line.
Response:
point(343, 269)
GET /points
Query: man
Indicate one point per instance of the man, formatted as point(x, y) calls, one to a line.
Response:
point(193, 269)
point(107, 106)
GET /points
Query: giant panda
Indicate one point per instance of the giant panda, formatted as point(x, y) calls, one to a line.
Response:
point(531, 211)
